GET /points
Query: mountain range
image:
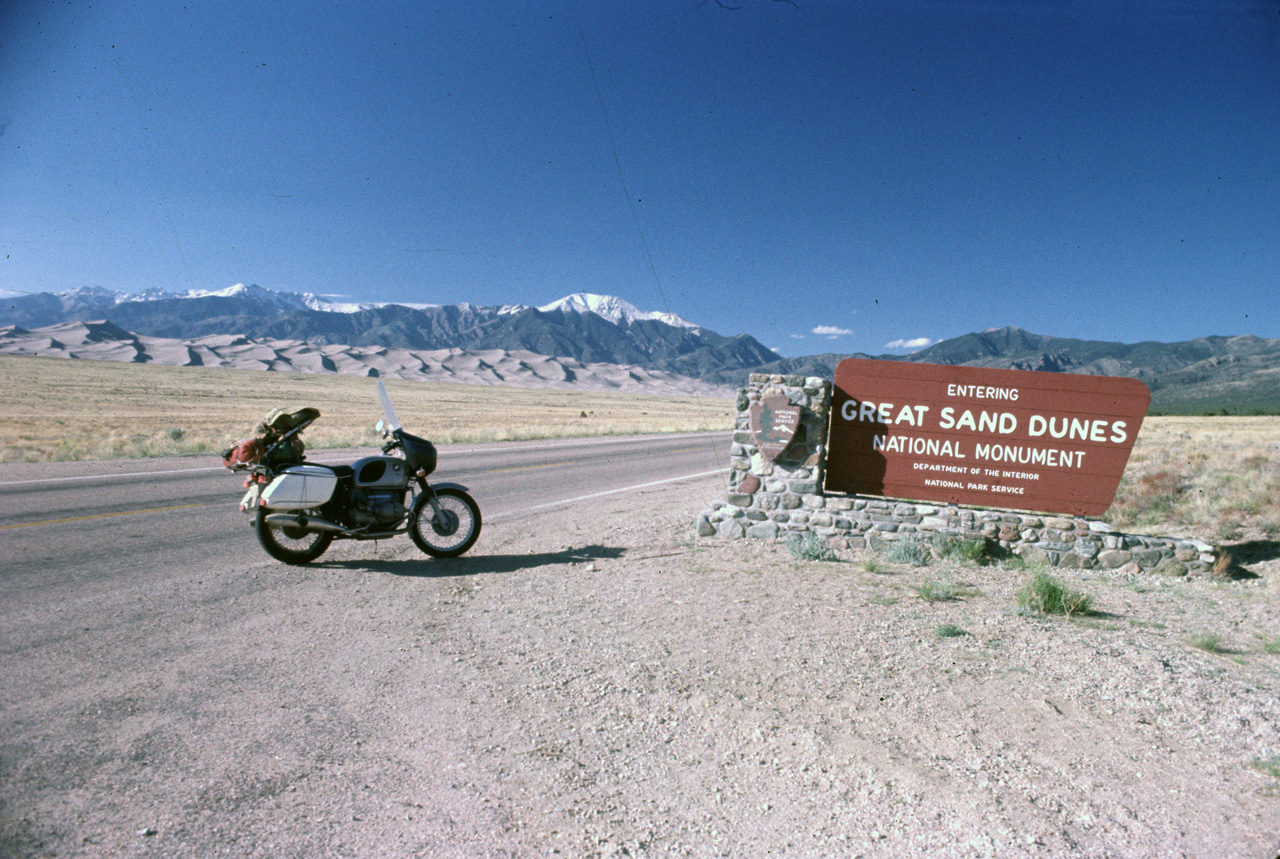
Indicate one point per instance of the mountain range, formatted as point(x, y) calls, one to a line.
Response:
point(584, 327)
point(1231, 373)
point(1237, 375)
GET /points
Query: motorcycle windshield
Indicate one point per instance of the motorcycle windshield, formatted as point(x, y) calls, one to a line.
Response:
point(388, 411)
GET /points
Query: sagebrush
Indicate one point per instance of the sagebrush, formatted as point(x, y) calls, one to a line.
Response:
point(1046, 595)
point(908, 550)
point(952, 547)
point(811, 547)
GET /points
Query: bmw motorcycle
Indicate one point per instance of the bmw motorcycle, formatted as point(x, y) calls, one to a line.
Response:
point(300, 508)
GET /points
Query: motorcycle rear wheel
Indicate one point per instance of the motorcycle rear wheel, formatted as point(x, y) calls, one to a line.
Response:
point(291, 545)
point(451, 533)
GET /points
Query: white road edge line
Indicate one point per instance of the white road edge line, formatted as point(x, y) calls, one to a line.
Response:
point(118, 476)
point(564, 501)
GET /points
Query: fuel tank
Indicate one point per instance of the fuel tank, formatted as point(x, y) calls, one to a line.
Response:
point(381, 472)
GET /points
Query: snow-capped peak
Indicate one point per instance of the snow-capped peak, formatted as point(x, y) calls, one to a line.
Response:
point(612, 308)
point(268, 297)
point(324, 304)
point(229, 292)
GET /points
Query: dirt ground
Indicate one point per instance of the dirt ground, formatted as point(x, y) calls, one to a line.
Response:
point(596, 681)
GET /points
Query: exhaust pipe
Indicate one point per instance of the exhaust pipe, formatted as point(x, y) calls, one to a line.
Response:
point(291, 520)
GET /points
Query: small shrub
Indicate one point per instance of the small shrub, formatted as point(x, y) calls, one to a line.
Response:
point(871, 565)
point(1269, 644)
point(908, 551)
point(1209, 642)
point(932, 591)
point(174, 433)
point(1046, 595)
point(1268, 766)
point(948, 546)
point(948, 630)
point(1013, 562)
point(811, 547)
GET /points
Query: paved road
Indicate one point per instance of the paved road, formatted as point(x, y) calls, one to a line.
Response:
point(155, 658)
point(65, 521)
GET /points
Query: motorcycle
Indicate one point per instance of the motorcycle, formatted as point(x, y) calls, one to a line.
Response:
point(300, 508)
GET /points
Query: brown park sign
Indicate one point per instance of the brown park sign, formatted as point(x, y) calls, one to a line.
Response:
point(1051, 442)
point(774, 421)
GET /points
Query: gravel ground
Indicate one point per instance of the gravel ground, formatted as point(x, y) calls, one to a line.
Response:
point(597, 682)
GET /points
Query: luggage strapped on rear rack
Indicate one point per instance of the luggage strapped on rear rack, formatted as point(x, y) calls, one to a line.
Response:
point(275, 441)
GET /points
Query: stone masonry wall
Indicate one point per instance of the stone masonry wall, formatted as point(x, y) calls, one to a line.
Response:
point(784, 500)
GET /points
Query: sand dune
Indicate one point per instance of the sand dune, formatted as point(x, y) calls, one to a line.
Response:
point(103, 341)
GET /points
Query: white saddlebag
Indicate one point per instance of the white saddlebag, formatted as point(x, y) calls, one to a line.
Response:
point(300, 488)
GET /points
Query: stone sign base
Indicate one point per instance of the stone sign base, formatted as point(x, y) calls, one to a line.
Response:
point(783, 499)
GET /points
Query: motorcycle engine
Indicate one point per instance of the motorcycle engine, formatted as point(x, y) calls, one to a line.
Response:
point(377, 507)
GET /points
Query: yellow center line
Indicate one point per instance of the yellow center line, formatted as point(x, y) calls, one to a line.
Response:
point(527, 467)
point(98, 516)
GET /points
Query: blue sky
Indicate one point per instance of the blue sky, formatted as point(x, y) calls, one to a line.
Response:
point(826, 176)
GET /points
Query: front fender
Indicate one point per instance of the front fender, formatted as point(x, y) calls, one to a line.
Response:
point(451, 486)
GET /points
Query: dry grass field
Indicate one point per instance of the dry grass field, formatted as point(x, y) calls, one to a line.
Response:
point(1217, 478)
point(59, 409)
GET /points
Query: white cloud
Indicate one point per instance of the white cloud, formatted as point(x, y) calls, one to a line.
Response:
point(796, 336)
point(917, 343)
point(831, 332)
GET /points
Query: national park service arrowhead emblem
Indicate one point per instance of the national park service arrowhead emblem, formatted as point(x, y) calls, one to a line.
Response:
point(774, 421)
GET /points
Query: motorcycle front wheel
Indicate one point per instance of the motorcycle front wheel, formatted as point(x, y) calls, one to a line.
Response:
point(449, 533)
point(291, 545)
